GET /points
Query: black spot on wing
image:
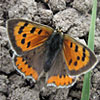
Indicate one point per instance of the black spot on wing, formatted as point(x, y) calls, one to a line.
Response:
point(22, 27)
point(78, 58)
point(39, 32)
point(64, 75)
point(25, 24)
point(60, 76)
point(26, 62)
point(23, 60)
point(83, 57)
point(29, 66)
point(24, 35)
point(17, 65)
point(83, 49)
point(20, 31)
point(76, 48)
point(23, 41)
point(75, 63)
point(33, 30)
point(71, 44)
point(28, 44)
point(70, 61)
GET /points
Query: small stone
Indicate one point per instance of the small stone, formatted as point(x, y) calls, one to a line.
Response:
point(2, 97)
point(24, 93)
point(6, 64)
point(82, 5)
point(57, 5)
point(3, 84)
point(69, 20)
point(44, 15)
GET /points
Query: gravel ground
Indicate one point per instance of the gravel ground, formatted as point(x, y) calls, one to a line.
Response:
point(73, 16)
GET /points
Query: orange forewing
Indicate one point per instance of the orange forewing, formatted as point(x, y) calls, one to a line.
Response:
point(25, 35)
point(77, 56)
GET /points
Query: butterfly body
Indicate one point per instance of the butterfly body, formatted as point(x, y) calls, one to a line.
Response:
point(53, 47)
point(40, 48)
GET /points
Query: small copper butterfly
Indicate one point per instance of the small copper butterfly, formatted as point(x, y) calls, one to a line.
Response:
point(39, 48)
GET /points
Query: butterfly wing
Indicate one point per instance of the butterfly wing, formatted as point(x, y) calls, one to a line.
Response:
point(79, 58)
point(30, 65)
point(26, 35)
point(57, 75)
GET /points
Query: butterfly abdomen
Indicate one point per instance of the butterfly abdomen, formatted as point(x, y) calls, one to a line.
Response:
point(53, 45)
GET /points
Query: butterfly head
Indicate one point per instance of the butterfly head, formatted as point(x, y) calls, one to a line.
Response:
point(59, 31)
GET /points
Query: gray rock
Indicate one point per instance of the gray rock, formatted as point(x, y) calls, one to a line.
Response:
point(95, 96)
point(3, 84)
point(6, 65)
point(97, 36)
point(2, 97)
point(62, 94)
point(96, 79)
point(54, 94)
point(24, 93)
point(44, 16)
point(97, 33)
point(1, 14)
point(95, 83)
point(97, 44)
point(57, 5)
point(25, 7)
point(70, 19)
point(98, 11)
point(82, 5)
point(65, 18)
point(16, 81)
point(68, 2)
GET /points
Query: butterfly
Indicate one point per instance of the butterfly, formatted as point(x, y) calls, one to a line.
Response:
point(41, 49)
